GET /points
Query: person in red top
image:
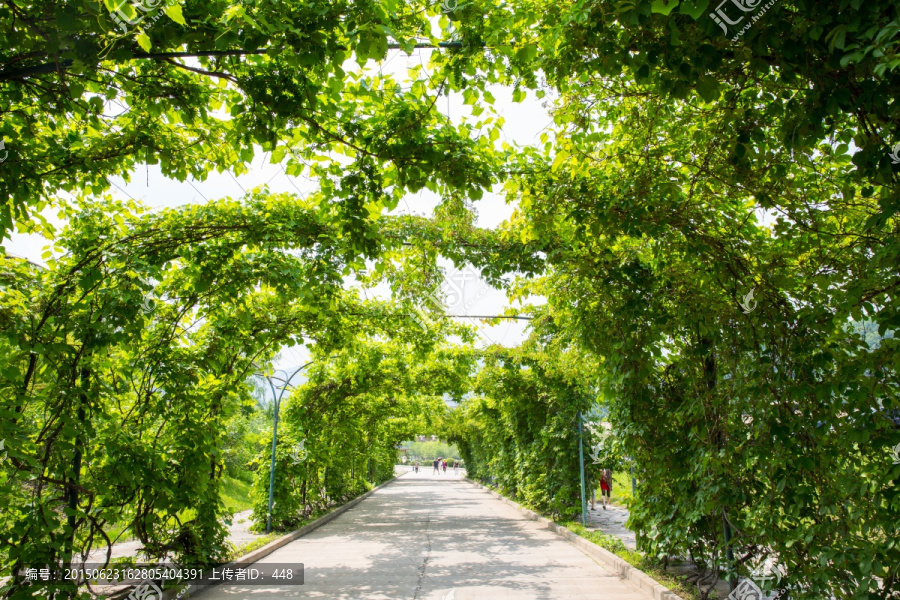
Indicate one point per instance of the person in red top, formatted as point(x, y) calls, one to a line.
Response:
point(445, 466)
point(605, 486)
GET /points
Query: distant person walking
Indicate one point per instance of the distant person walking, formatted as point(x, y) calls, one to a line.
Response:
point(456, 467)
point(416, 466)
point(435, 464)
point(605, 487)
point(445, 466)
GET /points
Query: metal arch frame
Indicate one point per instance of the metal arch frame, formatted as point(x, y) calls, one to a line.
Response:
point(276, 397)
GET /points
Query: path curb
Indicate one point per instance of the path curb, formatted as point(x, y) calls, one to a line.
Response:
point(624, 571)
point(284, 540)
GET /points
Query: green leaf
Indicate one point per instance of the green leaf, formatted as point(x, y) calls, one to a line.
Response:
point(527, 53)
point(694, 8)
point(560, 160)
point(659, 6)
point(174, 13)
point(372, 45)
point(708, 88)
point(143, 41)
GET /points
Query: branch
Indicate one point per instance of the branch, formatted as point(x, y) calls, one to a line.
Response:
point(230, 78)
point(489, 317)
point(26, 72)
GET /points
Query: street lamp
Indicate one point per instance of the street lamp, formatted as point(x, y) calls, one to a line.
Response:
point(581, 465)
point(277, 398)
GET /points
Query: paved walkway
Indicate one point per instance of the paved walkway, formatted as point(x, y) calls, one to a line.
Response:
point(435, 537)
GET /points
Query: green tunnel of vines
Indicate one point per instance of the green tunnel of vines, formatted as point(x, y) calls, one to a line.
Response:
point(709, 227)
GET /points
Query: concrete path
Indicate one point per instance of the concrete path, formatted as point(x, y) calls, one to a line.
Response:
point(435, 537)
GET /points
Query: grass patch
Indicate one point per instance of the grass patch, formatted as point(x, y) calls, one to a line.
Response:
point(256, 544)
point(606, 541)
point(114, 530)
point(621, 489)
point(235, 494)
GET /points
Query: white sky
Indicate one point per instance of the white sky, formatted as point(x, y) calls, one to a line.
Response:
point(523, 124)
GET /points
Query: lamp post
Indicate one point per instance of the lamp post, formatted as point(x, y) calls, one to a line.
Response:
point(581, 464)
point(277, 399)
